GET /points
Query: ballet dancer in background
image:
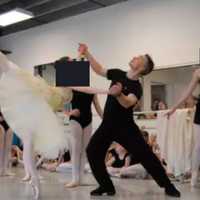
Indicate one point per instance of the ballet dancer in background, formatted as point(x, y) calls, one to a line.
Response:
point(194, 83)
point(81, 125)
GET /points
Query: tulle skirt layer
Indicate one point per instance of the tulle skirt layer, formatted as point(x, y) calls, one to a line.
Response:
point(25, 103)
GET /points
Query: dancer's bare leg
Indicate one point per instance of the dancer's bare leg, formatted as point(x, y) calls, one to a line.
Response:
point(29, 162)
point(87, 132)
point(27, 176)
point(76, 143)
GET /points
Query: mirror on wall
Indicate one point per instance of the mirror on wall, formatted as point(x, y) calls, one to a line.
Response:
point(46, 71)
point(162, 88)
point(66, 72)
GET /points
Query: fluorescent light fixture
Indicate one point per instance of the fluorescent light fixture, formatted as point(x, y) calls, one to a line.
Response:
point(14, 16)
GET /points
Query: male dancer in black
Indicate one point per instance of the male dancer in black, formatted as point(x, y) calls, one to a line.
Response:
point(118, 125)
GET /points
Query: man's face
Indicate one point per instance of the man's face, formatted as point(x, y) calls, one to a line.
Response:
point(137, 64)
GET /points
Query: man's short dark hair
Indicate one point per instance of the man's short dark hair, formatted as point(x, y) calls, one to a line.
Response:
point(149, 66)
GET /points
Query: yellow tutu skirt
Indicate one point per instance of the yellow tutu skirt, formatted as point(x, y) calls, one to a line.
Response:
point(28, 104)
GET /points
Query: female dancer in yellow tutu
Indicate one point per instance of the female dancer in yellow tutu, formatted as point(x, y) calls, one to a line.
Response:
point(26, 103)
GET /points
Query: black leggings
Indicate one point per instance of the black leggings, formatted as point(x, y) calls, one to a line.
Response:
point(130, 137)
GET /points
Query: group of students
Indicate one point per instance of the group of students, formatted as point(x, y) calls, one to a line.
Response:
point(117, 125)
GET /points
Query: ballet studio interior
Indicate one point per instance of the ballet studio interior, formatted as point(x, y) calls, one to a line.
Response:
point(99, 99)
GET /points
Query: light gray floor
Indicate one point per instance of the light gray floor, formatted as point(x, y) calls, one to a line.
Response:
point(11, 188)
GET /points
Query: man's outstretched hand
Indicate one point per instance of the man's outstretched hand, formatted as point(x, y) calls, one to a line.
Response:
point(82, 49)
point(74, 113)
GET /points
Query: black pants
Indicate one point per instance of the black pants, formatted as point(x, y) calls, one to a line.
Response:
point(130, 137)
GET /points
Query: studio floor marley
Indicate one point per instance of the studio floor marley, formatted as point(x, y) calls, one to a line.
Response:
point(52, 188)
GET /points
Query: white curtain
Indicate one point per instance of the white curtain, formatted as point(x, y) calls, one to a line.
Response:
point(175, 137)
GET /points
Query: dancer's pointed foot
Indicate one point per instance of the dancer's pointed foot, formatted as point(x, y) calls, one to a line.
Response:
point(72, 184)
point(6, 173)
point(36, 188)
point(27, 178)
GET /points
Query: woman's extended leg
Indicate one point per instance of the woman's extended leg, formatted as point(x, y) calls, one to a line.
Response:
point(30, 166)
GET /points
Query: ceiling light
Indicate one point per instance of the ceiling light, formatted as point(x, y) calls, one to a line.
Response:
point(14, 16)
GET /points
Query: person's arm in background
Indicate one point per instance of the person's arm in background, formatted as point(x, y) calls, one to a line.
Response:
point(97, 106)
point(90, 90)
point(75, 112)
point(187, 93)
point(96, 66)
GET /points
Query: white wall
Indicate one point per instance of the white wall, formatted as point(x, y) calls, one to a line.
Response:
point(167, 29)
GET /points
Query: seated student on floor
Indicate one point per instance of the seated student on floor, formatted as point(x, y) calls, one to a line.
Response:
point(118, 158)
point(123, 165)
point(61, 164)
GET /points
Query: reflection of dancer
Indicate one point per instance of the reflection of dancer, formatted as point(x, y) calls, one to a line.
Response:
point(81, 125)
point(196, 154)
point(118, 125)
point(23, 100)
point(6, 135)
